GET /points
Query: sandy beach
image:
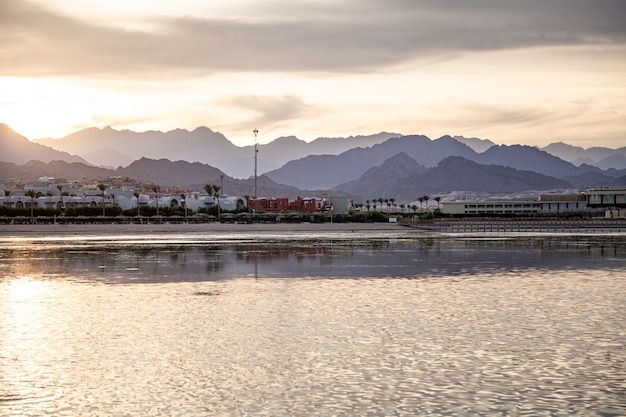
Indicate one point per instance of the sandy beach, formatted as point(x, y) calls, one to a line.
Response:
point(293, 231)
point(31, 230)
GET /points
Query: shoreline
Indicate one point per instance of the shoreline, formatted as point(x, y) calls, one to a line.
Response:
point(488, 230)
point(155, 228)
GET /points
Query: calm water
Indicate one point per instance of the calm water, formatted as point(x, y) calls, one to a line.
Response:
point(313, 327)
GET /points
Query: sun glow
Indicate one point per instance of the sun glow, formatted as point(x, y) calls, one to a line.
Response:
point(38, 108)
point(25, 288)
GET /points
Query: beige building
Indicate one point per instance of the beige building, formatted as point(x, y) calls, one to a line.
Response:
point(559, 205)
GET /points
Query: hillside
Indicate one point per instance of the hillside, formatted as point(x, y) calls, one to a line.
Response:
point(477, 144)
point(33, 170)
point(117, 148)
point(328, 171)
point(451, 174)
point(531, 159)
point(162, 172)
point(395, 174)
point(400, 167)
point(104, 145)
point(16, 149)
point(601, 157)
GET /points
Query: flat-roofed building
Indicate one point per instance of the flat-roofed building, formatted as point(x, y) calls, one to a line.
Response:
point(549, 204)
point(606, 197)
point(491, 207)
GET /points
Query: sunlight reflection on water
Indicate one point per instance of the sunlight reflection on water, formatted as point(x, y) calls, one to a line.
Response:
point(391, 328)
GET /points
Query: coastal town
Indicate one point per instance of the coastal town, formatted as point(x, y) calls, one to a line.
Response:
point(122, 198)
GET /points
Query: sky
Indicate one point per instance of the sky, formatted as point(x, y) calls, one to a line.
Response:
point(531, 72)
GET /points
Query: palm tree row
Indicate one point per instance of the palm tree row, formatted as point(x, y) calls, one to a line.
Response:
point(390, 202)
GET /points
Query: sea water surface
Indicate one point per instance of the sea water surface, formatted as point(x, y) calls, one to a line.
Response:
point(312, 326)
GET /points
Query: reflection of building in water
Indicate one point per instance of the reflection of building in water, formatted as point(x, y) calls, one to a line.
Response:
point(278, 252)
point(152, 263)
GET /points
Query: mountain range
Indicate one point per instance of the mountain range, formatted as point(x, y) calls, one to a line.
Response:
point(364, 167)
point(112, 148)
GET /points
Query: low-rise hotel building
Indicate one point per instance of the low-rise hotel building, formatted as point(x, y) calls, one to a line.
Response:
point(549, 204)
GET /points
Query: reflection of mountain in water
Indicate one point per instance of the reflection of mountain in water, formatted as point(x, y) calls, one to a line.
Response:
point(374, 259)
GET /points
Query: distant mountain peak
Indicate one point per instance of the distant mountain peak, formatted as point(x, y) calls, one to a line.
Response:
point(287, 139)
point(478, 145)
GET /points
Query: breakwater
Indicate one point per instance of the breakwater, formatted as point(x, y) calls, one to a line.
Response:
point(492, 226)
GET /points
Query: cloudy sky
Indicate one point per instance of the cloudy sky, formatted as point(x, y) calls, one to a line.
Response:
point(514, 71)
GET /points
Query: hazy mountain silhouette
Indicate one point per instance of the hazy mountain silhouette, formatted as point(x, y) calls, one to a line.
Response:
point(532, 159)
point(477, 144)
point(117, 148)
point(103, 145)
point(17, 149)
point(328, 171)
point(386, 165)
point(284, 149)
point(161, 172)
point(171, 173)
point(112, 148)
point(614, 161)
point(33, 170)
point(604, 158)
point(451, 174)
point(396, 173)
point(456, 173)
point(596, 179)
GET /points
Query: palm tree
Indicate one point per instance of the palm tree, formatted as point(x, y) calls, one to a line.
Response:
point(136, 194)
point(209, 188)
point(380, 201)
point(32, 194)
point(184, 201)
point(402, 207)
point(216, 194)
point(387, 202)
point(367, 204)
point(60, 188)
point(421, 200)
point(102, 187)
point(426, 198)
point(156, 190)
point(437, 199)
point(414, 208)
point(393, 203)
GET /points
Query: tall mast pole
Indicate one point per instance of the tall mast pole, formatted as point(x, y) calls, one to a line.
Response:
point(256, 151)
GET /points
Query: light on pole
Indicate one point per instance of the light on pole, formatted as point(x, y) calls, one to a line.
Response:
point(256, 152)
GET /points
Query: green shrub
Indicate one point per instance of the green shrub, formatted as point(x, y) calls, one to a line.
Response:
point(427, 216)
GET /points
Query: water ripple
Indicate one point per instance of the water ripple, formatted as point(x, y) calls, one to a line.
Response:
point(525, 341)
